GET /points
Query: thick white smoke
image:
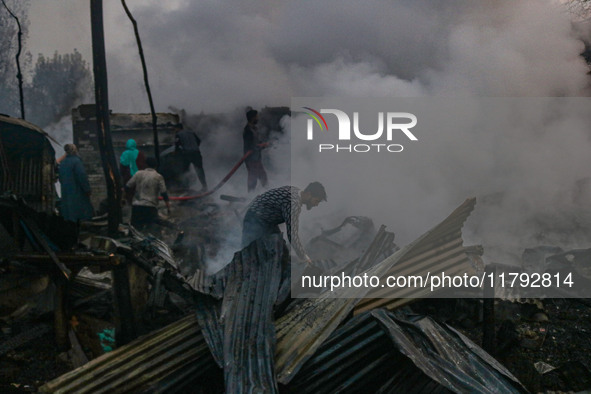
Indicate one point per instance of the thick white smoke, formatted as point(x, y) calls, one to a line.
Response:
point(213, 56)
point(217, 56)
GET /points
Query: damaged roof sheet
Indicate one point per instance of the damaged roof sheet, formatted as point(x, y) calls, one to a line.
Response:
point(301, 331)
point(247, 314)
point(26, 125)
point(385, 352)
point(137, 365)
point(241, 331)
point(439, 250)
point(357, 355)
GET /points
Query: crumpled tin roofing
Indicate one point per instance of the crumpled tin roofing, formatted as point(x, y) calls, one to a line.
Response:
point(358, 355)
point(301, 331)
point(239, 328)
point(385, 352)
point(440, 249)
point(247, 316)
point(142, 362)
point(446, 356)
point(27, 125)
point(243, 339)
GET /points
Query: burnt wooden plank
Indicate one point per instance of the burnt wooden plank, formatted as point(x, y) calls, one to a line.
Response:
point(125, 330)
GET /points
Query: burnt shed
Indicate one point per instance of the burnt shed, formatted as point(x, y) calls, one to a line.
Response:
point(123, 127)
point(27, 162)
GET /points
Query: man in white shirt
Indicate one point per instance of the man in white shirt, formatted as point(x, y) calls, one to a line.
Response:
point(148, 185)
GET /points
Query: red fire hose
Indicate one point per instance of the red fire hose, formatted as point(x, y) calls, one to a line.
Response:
point(216, 188)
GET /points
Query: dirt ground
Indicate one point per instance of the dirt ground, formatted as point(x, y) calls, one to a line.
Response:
point(28, 367)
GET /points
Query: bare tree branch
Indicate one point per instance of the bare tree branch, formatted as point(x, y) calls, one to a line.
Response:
point(19, 75)
point(141, 51)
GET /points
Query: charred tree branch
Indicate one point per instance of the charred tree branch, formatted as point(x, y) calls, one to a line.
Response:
point(148, 91)
point(19, 75)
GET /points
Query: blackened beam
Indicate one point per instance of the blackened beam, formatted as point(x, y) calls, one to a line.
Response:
point(126, 330)
point(32, 226)
point(125, 325)
point(172, 281)
point(68, 259)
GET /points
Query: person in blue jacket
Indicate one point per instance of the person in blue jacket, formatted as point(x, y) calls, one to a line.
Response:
point(75, 202)
point(131, 161)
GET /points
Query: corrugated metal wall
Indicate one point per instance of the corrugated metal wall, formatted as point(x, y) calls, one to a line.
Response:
point(28, 164)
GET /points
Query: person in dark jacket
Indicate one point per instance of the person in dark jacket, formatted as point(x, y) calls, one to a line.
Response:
point(252, 142)
point(75, 202)
point(187, 145)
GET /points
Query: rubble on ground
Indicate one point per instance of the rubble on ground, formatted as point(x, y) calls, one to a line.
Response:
point(143, 314)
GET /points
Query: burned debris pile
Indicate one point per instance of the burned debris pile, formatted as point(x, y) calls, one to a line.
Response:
point(244, 332)
point(133, 313)
point(130, 315)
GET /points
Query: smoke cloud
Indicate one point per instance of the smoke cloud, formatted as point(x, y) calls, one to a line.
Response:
point(221, 56)
point(215, 56)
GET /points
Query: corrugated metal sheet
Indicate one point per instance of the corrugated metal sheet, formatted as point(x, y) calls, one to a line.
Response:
point(301, 331)
point(208, 312)
point(358, 356)
point(245, 338)
point(150, 244)
point(382, 352)
point(139, 364)
point(247, 316)
point(239, 328)
point(27, 163)
point(26, 125)
point(445, 355)
point(439, 250)
point(212, 285)
point(381, 247)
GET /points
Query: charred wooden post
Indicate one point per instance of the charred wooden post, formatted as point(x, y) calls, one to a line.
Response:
point(63, 272)
point(138, 287)
point(488, 314)
point(110, 168)
point(123, 303)
point(17, 230)
point(61, 316)
point(146, 83)
point(124, 317)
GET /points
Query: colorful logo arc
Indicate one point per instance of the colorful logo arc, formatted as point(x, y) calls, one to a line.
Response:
point(316, 118)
